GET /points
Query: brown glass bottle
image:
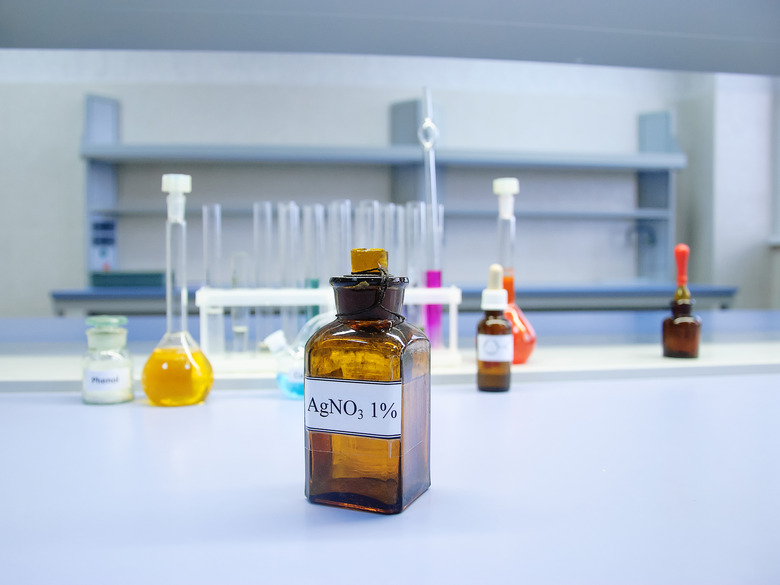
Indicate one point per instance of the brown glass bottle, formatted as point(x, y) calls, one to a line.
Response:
point(493, 376)
point(681, 331)
point(495, 339)
point(367, 368)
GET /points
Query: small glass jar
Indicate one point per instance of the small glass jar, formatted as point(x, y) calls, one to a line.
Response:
point(107, 367)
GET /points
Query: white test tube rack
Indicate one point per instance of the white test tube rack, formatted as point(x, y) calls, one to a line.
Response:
point(207, 298)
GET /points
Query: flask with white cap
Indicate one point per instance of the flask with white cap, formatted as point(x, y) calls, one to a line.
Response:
point(495, 344)
point(522, 331)
point(177, 373)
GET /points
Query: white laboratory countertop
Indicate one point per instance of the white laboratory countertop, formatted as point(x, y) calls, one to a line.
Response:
point(627, 480)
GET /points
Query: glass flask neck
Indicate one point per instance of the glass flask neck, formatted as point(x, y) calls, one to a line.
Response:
point(506, 242)
point(176, 277)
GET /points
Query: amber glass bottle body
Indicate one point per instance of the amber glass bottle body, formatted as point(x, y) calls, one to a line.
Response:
point(493, 376)
point(682, 331)
point(375, 348)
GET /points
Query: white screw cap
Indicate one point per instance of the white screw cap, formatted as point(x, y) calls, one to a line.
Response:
point(506, 188)
point(177, 183)
point(176, 186)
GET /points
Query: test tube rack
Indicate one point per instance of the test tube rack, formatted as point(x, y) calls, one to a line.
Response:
point(210, 299)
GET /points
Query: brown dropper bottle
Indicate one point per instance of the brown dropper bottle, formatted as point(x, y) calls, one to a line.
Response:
point(495, 343)
point(681, 331)
point(367, 396)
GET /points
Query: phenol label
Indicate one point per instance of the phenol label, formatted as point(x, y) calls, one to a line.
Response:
point(107, 380)
point(353, 407)
point(495, 348)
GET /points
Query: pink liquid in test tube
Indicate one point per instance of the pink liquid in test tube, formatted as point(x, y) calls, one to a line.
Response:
point(433, 312)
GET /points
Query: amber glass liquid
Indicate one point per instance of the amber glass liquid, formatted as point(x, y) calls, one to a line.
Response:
point(377, 475)
point(681, 337)
point(682, 331)
point(177, 377)
point(494, 376)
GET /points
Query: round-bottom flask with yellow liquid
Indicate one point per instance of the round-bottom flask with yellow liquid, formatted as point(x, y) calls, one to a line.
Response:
point(177, 373)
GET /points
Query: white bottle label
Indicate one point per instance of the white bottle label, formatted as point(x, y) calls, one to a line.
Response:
point(495, 348)
point(106, 380)
point(353, 407)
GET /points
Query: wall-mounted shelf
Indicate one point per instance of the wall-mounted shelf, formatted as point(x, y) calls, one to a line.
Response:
point(650, 212)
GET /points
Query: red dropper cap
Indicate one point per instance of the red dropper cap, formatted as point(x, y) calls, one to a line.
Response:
point(681, 253)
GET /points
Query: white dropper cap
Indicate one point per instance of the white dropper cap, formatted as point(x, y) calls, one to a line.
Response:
point(495, 297)
point(176, 186)
point(506, 188)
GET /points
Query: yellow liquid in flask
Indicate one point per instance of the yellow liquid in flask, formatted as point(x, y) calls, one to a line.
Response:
point(177, 377)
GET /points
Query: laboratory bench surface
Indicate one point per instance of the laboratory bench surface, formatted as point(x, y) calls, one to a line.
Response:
point(652, 471)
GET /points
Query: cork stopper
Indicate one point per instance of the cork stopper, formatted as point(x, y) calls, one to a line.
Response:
point(368, 260)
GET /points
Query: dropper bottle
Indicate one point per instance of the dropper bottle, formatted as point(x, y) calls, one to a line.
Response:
point(495, 344)
point(682, 331)
point(177, 373)
point(523, 333)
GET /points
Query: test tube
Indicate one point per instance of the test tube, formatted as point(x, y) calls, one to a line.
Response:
point(394, 238)
point(433, 313)
point(416, 242)
point(428, 134)
point(368, 224)
point(240, 269)
point(314, 248)
point(290, 261)
point(212, 274)
point(266, 267)
point(339, 234)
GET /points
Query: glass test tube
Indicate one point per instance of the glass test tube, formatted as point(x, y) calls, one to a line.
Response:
point(416, 240)
point(433, 313)
point(212, 277)
point(314, 243)
point(240, 269)
point(289, 215)
point(339, 234)
point(368, 224)
point(266, 265)
point(394, 237)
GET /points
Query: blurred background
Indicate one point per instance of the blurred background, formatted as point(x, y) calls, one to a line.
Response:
point(552, 95)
